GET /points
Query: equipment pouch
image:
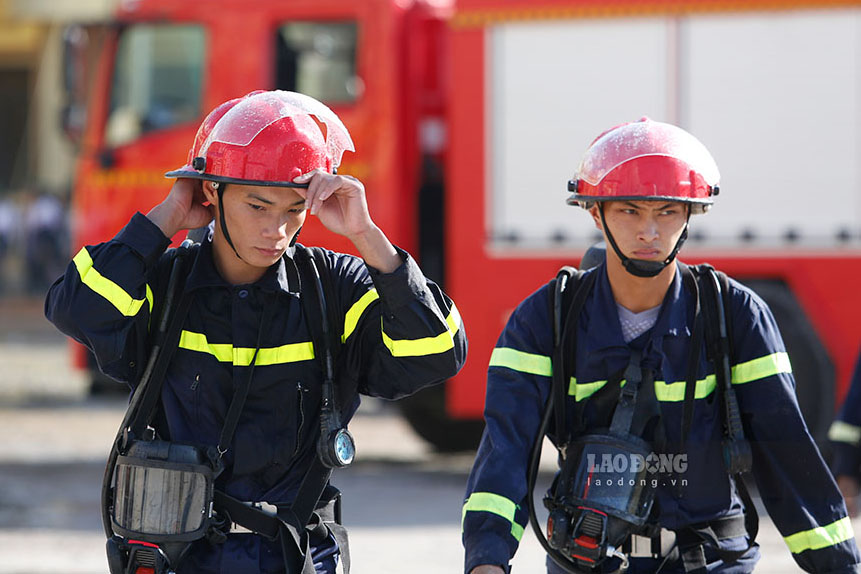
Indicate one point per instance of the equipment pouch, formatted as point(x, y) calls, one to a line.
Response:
point(163, 491)
point(602, 496)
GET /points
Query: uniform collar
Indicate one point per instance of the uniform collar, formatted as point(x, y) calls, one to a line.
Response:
point(603, 328)
point(281, 276)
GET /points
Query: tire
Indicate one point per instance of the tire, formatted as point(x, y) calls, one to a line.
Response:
point(812, 367)
point(425, 412)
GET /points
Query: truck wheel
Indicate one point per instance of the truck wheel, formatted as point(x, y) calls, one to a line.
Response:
point(811, 365)
point(425, 412)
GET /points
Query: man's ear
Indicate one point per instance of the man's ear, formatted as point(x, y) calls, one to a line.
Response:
point(596, 217)
point(210, 191)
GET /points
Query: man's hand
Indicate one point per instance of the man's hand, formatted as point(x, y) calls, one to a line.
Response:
point(849, 487)
point(339, 201)
point(183, 208)
point(487, 569)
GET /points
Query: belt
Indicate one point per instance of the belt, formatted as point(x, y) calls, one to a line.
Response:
point(687, 543)
point(266, 517)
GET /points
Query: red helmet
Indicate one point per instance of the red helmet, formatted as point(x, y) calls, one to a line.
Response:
point(266, 138)
point(646, 160)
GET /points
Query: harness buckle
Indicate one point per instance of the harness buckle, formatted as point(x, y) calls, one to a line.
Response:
point(653, 547)
point(264, 507)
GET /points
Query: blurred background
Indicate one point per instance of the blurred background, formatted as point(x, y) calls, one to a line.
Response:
point(469, 117)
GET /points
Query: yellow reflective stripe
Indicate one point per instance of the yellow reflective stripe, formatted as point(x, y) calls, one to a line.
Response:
point(291, 353)
point(496, 504)
point(521, 362)
point(114, 294)
point(426, 345)
point(820, 537)
point(453, 320)
point(241, 356)
point(355, 313)
point(844, 432)
point(149, 298)
point(581, 391)
point(675, 392)
point(761, 368)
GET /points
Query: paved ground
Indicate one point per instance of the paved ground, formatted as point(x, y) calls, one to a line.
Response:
point(402, 501)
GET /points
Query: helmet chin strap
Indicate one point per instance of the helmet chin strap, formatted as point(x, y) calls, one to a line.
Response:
point(641, 267)
point(220, 187)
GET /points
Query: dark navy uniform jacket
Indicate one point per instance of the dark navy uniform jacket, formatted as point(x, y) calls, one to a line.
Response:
point(845, 431)
point(400, 333)
point(796, 487)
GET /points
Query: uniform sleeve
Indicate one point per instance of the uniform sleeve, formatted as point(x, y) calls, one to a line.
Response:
point(845, 431)
point(795, 485)
point(495, 513)
point(104, 300)
point(401, 331)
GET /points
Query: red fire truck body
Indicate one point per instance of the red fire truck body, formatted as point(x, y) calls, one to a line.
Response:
point(470, 118)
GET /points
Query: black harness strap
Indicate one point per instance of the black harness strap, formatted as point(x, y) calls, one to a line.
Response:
point(241, 393)
point(712, 324)
point(570, 291)
point(168, 327)
point(166, 342)
point(623, 417)
point(290, 525)
point(690, 542)
point(694, 355)
point(714, 300)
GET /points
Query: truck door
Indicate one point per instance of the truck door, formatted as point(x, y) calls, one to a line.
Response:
point(143, 115)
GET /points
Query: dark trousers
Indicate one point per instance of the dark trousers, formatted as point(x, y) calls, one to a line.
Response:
point(254, 554)
point(714, 565)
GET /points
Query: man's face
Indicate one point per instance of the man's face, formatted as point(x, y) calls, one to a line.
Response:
point(261, 221)
point(646, 230)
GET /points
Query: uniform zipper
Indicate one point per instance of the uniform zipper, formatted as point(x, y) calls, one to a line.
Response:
point(300, 391)
point(194, 384)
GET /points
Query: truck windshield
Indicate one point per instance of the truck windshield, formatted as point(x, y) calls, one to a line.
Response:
point(156, 82)
point(318, 59)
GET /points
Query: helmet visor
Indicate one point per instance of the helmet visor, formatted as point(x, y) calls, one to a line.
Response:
point(641, 139)
point(249, 117)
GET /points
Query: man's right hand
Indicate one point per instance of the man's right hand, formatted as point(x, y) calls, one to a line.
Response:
point(487, 569)
point(849, 487)
point(183, 208)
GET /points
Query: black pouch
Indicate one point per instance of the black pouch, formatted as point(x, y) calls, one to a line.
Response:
point(163, 491)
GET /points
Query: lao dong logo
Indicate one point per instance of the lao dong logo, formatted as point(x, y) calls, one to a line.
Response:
point(654, 463)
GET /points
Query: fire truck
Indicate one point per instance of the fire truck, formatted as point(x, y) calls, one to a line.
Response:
point(469, 117)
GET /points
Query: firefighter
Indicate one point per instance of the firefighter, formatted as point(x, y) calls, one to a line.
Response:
point(641, 182)
point(845, 437)
point(258, 166)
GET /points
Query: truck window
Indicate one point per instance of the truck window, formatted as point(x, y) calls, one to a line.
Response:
point(157, 80)
point(318, 59)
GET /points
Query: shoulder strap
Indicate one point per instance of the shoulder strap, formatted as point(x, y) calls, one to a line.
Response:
point(168, 321)
point(738, 457)
point(321, 314)
point(569, 292)
point(694, 353)
point(719, 351)
point(168, 326)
